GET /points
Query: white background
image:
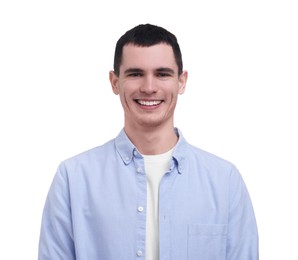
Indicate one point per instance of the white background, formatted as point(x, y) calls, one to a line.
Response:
point(240, 102)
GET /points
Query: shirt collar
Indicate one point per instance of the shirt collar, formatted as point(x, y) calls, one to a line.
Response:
point(127, 150)
point(125, 147)
point(180, 151)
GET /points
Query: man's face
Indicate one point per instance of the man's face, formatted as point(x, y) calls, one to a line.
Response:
point(148, 85)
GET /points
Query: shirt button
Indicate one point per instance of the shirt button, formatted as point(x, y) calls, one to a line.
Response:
point(139, 253)
point(140, 209)
point(139, 170)
point(135, 153)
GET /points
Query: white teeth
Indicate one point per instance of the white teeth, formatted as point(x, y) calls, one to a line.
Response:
point(149, 103)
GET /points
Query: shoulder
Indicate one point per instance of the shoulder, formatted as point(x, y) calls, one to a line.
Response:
point(205, 163)
point(207, 158)
point(192, 153)
point(90, 157)
point(196, 155)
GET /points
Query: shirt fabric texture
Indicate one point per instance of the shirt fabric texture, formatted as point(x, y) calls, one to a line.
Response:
point(96, 207)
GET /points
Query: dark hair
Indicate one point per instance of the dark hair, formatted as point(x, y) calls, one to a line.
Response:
point(146, 35)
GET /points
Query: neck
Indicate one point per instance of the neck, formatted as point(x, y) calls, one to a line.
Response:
point(152, 141)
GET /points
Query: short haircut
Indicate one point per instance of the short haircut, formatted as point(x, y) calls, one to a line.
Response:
point(146, 35)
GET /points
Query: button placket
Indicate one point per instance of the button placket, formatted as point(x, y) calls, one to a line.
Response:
point(141, 206)
point(165, 204)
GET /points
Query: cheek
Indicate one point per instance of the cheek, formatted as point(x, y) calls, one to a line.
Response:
point(124, 99)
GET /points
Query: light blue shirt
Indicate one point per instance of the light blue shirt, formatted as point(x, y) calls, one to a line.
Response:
point(96, 207)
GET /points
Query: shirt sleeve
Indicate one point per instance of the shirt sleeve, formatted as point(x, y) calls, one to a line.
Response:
point(242, 240)
point(56, 236)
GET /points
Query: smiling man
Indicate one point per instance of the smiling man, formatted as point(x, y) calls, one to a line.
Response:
point(148, 83)
point(148, 193)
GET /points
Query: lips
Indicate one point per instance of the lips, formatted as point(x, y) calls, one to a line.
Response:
point(149, 103)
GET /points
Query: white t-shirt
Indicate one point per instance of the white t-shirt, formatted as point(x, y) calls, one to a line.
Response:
point(155, 167)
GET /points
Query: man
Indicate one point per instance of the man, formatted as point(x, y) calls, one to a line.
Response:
point(148, 194)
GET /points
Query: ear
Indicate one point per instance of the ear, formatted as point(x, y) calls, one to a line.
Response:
point(114, 82)
point(182, 81)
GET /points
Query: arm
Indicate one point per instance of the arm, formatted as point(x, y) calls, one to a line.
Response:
point(56, 236)
point(242, 237)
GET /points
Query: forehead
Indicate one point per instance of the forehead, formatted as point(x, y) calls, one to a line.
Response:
point(152, 57)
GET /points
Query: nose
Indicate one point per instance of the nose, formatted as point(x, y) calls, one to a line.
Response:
point(148, 85)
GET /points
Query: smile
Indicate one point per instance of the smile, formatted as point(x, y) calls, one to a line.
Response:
point(149, 102)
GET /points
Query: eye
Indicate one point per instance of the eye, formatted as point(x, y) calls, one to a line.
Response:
point(163, 74)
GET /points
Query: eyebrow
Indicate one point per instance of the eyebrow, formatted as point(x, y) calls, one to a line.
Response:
point(137, 70)
point(168, 70)
point(132, 70)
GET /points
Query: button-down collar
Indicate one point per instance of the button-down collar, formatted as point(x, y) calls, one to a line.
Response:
point(127, 150)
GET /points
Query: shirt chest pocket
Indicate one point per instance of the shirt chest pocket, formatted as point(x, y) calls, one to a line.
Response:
point(207, 242)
